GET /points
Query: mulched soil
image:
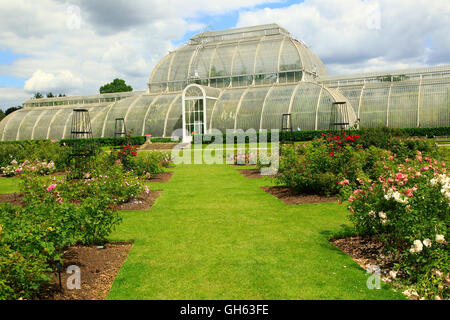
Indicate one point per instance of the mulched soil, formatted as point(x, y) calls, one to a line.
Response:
point(58, 173)
point(98, 268)
point(51, 174)
point(161, 177)
point(16, 199)
point(144, 202)
point(366, 251)
point(251, 173)
point(291, 197)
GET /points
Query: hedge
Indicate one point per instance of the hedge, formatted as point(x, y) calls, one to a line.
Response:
point(102, 142)
point(284, 136)
point(310, 135)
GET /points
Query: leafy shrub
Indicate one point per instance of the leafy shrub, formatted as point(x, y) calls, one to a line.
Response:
point(42, 150)
point(106, 184)
point(396, 141)
point(316, 167)
point(40, 167)
point(308, 135)
point(33, 239)
point(408, 205)
point(147, 163)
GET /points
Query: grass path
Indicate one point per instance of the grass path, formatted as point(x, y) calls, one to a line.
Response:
point(214, 234)
point(9, 185)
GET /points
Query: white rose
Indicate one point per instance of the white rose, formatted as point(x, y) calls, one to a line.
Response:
point(393, 274)
point(382, 215)
point(440, 238)
point(416, 247)
point(427, 243)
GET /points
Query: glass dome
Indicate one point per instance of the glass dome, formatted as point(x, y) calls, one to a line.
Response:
point(238, 57)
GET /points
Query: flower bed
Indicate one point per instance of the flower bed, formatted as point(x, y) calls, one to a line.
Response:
point(408, 205)
point(59, 212)
point(36, 166)
point(315, 167)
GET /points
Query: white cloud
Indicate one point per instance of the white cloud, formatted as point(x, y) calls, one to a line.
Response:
point(12, 97)
point(46, 82)
point(355, 35)
point(121, 38)
point(97, 43)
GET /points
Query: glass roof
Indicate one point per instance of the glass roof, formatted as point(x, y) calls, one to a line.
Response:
point(260, 50)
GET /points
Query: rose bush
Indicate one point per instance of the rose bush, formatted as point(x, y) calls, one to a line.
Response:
point(408, 206)
point(37, 166)
point(316, 167)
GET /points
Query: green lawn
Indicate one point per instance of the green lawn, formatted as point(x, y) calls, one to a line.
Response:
point(9, 185)
point(214, 234)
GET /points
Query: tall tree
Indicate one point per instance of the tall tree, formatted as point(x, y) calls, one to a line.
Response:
point(38, 95)
point(118, 85)
point(12, 109)
point(50, 95)
point(2, 115)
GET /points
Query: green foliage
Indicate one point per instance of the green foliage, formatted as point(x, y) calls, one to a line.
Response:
point(60, 212)
point(12, 109)
point(43, 150)
point(316, 167)
point(146, 164)
point(295, 136)
point(2, 115)
point(118, 85)
point(119, 141)
point(34, 237)
point(408, 205)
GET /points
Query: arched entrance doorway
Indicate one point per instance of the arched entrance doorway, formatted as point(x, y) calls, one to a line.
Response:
point(196, 101)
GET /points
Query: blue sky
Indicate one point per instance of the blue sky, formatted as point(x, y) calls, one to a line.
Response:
point(7, 58)
point(42, 48)
point(230, 19)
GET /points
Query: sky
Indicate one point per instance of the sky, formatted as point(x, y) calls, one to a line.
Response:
point(76, 46)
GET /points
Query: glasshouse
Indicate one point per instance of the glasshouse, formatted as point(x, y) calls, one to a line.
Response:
point(246, 78)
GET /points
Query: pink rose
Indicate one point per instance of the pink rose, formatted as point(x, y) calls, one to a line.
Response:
point(51, 187)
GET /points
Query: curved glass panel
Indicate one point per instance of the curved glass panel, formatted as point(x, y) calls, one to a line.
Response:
point(180, 65)
point(27, 124)
point(12, 124)
point(277, 104)
point(289, 59)
point(175, 119)
point(146, 104)
point(403, 105)
point(435, 104)
point(353, 95)
point(374, 105)
point(201, 65)
point(162, 70)
point(41, 126)
point(224, 114)
point(304, 105)
point(221, 65)
point(154, 123)
point(267, 58)
point(324, 111)
point(249, 114)
point(118, 110)
point(244, 60)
